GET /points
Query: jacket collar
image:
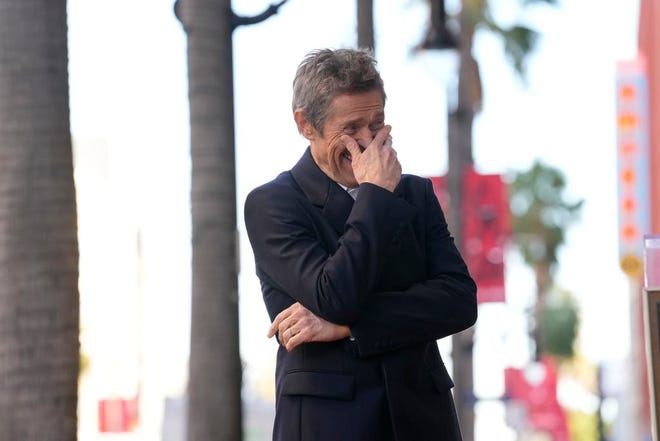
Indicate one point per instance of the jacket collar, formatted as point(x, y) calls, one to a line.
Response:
point(323, 192)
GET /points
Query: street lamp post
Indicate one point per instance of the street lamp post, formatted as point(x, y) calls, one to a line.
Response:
point(459, 158)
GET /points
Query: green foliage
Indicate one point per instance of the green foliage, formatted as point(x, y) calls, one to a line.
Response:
point(559, 323)
point(519, 42)
point(540, 215)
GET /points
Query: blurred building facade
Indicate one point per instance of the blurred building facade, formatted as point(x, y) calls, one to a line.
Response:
point(641, 80)
point(649, 49)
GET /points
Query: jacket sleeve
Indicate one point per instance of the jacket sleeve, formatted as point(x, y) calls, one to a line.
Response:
point(442, 305)
point(290, 256)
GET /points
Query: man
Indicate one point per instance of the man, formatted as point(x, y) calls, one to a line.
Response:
point(358, 271)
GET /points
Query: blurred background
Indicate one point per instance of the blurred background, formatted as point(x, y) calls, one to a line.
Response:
point(545, 134)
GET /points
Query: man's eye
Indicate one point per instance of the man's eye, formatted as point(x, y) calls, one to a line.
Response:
point(349, 130)
point(376, 126)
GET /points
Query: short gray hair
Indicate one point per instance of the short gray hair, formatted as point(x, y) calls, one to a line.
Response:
point(325, 73)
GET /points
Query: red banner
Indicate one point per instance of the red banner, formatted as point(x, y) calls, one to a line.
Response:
point(485, 214)
point(486, 228)
point(118, 415)
point(534, 388)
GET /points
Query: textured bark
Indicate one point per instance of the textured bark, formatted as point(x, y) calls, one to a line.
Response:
point(214, 399)
point(38, 233)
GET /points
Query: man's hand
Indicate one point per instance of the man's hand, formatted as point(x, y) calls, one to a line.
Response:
point(296, 325)
point(378, 163)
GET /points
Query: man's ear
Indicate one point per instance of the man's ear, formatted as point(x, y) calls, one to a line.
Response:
point(304, 126)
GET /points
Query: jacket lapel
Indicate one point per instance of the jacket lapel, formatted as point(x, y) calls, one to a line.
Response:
point(335, 203)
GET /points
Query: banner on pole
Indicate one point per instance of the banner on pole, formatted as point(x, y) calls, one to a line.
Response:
point(486, 229)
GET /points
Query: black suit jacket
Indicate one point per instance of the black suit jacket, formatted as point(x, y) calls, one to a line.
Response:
point(386, 266)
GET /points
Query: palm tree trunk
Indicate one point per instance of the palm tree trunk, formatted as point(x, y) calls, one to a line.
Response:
point(365, 20)
point(39, 317)
point(214, 386)
point(459, 158)
point(543, 284)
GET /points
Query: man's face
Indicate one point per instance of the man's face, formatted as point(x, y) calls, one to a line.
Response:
point(359, 116)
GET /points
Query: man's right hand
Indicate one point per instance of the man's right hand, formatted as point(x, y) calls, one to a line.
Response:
point(297, 324)
point(378, 163)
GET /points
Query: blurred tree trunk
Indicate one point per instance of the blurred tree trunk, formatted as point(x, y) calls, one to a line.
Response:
point(365, 21)
point(459, 158)
point(38, 233)
point(214, 385)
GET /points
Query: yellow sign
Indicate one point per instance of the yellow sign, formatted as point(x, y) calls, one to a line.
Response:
point(632, 265)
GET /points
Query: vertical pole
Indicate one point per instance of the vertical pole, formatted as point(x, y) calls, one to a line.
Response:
point(459, 158)
point(634, 409)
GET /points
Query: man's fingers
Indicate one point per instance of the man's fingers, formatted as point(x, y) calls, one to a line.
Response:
point(294, 341)
point(287, 334)
point(352, 146)
point(382, 136)
point(274, 327)
point(284, 326)
point(294, 326)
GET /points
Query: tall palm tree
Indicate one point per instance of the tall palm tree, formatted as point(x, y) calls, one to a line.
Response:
point(215, 371)
point(39, 317)
point(519, 41)
point(214, 383)
point(540, 216)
